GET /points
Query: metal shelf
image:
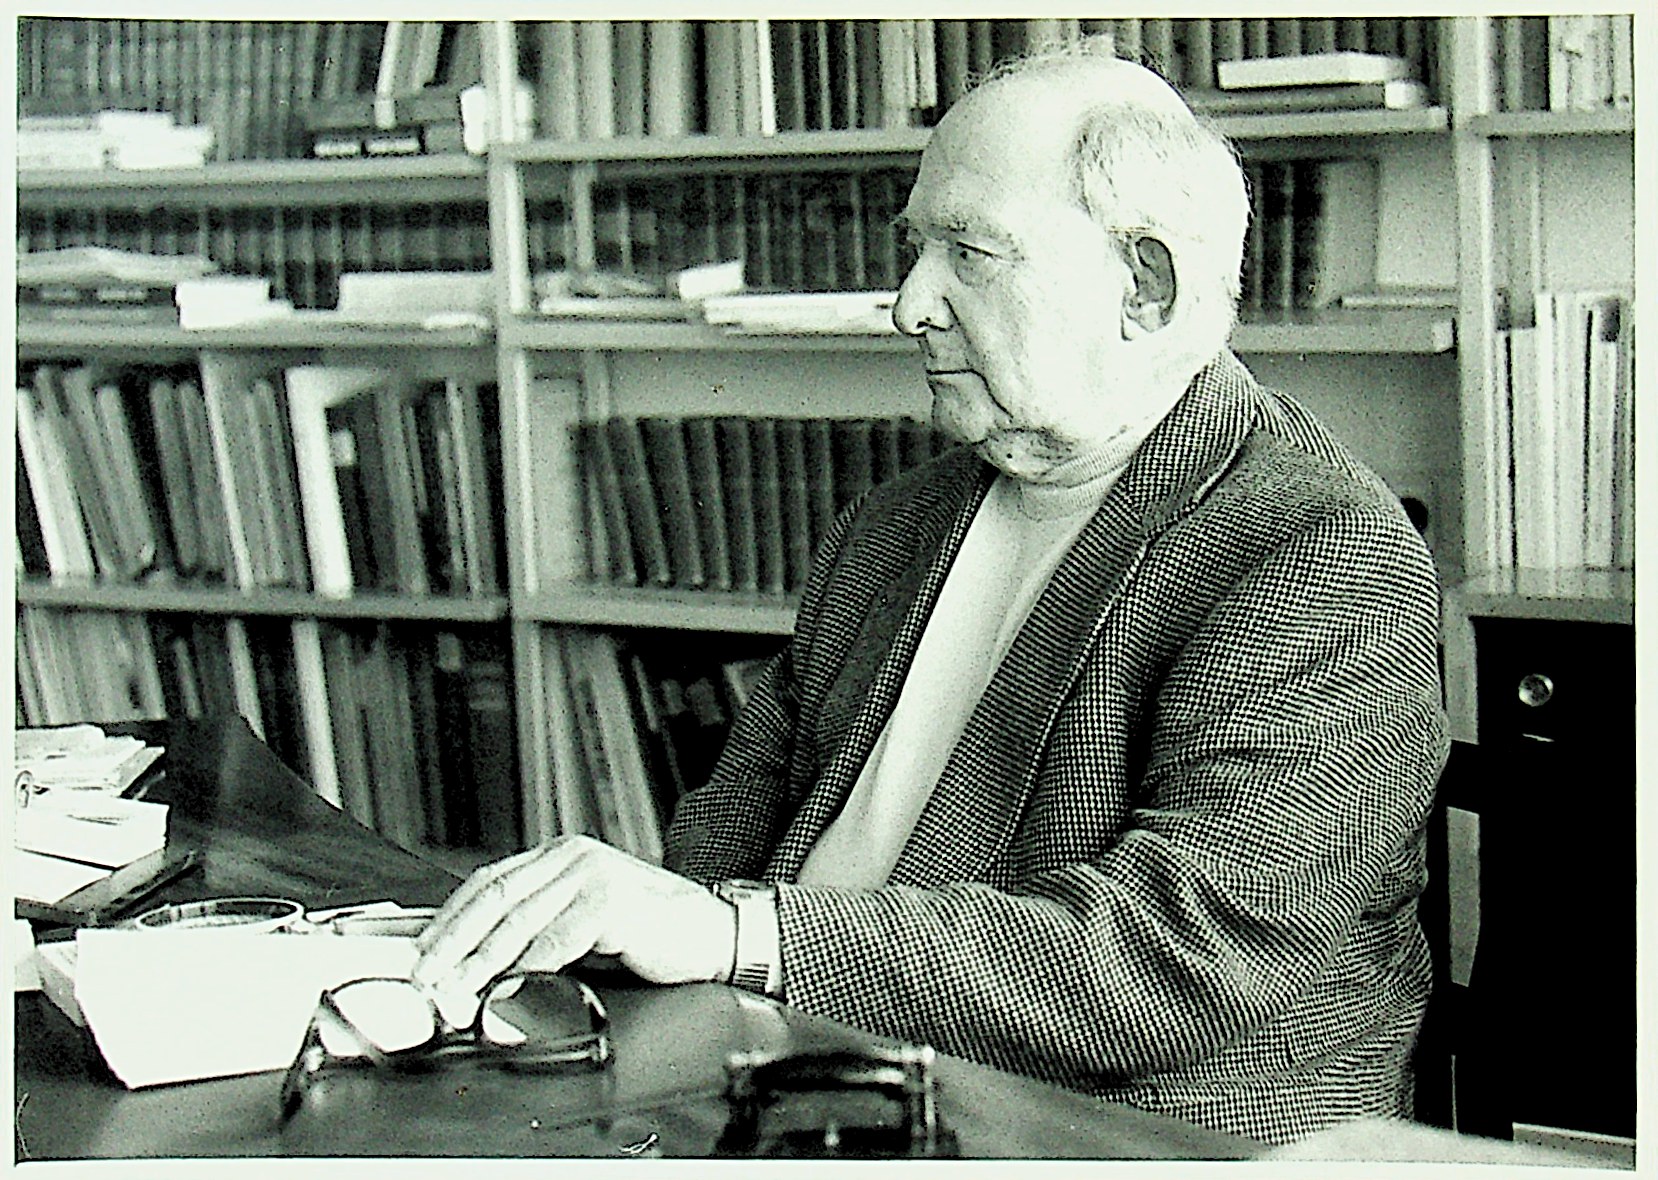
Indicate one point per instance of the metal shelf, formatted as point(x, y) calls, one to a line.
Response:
point(296, 604)
point(1579, 595)
point(72, 338)
point(1520, 124)
point(1399, 332)
point(679, 610)
point(290, 183)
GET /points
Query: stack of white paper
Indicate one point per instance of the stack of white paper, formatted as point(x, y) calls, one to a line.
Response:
point(96, 829)
point(81, 758)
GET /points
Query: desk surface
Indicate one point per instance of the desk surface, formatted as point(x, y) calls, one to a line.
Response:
point(262, 832)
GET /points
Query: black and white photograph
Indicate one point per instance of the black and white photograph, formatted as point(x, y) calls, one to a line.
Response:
point(724, 585)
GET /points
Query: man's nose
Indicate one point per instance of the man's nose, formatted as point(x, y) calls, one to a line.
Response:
point(921, 303)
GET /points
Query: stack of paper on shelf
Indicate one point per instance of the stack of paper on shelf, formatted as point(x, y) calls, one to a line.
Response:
point(131, 140)
point(1342, 80)
point(414, 298)
point(91, 283)
point(860, 313)
point(227, 301)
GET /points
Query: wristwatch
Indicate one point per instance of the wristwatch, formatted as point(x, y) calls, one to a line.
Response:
point(757, 965)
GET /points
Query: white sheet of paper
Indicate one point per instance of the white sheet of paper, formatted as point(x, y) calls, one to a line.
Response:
point(50, 879)
point(178, 1005)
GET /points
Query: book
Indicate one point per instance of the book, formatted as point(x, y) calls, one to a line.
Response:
point(795, 513)
point(772, 565)
point(1536, 452)
point(627, 446)
point(737, 479)
point(1399, 94)
point(558, 93)
point(670, 107)
point(492, 744)
point(628, 76)
point(616, 563)
point(311, 391)
point(1343, 68)
point(1601, 433)
point(595, 66)
point(708, 501)
point(670, 477)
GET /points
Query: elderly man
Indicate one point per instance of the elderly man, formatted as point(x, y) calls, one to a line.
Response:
point(1104, 743)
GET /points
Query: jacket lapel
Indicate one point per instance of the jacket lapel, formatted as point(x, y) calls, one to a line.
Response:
point(973, 811)
point(924, 543)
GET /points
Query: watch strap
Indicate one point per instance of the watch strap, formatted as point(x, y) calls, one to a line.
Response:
point(757, 963)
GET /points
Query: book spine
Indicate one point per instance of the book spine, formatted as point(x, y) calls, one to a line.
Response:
point(595, 62)
point(670, 108)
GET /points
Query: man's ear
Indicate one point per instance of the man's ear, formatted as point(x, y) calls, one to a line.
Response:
point(1149, 303)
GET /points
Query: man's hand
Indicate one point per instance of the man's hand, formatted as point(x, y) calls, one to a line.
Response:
point(546, 908)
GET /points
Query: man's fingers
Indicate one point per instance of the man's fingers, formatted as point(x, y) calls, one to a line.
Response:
point(556, 918)
point(466, 893)
point(494, 895)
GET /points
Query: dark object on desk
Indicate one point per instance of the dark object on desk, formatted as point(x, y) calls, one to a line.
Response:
point(115, 896)
point(900, 1076)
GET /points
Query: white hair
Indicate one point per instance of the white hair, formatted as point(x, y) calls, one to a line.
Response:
point(1143, 163)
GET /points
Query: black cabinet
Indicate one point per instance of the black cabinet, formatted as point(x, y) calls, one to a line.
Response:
point(1552, 994)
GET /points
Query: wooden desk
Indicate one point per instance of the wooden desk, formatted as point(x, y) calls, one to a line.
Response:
point(263, 832)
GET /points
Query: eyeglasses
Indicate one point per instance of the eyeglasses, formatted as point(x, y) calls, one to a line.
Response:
point(527, 1022)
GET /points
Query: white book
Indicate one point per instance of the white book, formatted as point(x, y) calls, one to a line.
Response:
point(1344, 68)
point(63, 528)
point(1536, 458)
point(313, 704)
point(1600, 441)
point(244, 681)
point(312, 389)
point(1571, 360)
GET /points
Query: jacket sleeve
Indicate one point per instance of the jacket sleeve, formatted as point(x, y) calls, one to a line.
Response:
point(1294, 747)
point(730, 826)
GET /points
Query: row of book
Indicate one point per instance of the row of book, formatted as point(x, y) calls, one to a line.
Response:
point(601, 79)
point(334, 479)
point(411, 728)
point(1564, 396)
point(649, 724)
point(811, 231)
point(730, 503)
point(834, 231)
point(1579, 62)
point(252, 82)
point(303, 251)
point(1311, 235)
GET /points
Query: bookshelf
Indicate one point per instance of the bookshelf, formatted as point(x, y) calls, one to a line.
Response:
point(536, 201)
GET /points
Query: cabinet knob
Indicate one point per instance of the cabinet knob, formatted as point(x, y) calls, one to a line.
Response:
point(1535, 690)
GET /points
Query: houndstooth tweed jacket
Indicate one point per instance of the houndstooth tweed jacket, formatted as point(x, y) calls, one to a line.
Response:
point(1174, 858)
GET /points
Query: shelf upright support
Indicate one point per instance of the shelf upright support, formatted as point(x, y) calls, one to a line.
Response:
point(1488, 532)
point(509, 260)
point(1487, 544)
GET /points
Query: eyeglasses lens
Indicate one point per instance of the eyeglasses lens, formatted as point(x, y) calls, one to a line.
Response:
point(390, 1014)
point(535, 1011)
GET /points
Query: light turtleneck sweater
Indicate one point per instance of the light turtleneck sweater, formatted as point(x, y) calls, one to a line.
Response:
point(1017, 539)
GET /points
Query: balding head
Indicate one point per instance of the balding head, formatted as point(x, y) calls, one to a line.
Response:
point(1134, 157)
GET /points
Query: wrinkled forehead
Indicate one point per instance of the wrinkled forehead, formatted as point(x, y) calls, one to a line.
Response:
point(993, 158)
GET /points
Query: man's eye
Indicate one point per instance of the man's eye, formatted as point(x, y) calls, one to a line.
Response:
point(972, 265)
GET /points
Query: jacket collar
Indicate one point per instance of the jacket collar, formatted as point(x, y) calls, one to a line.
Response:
point(971, 814)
